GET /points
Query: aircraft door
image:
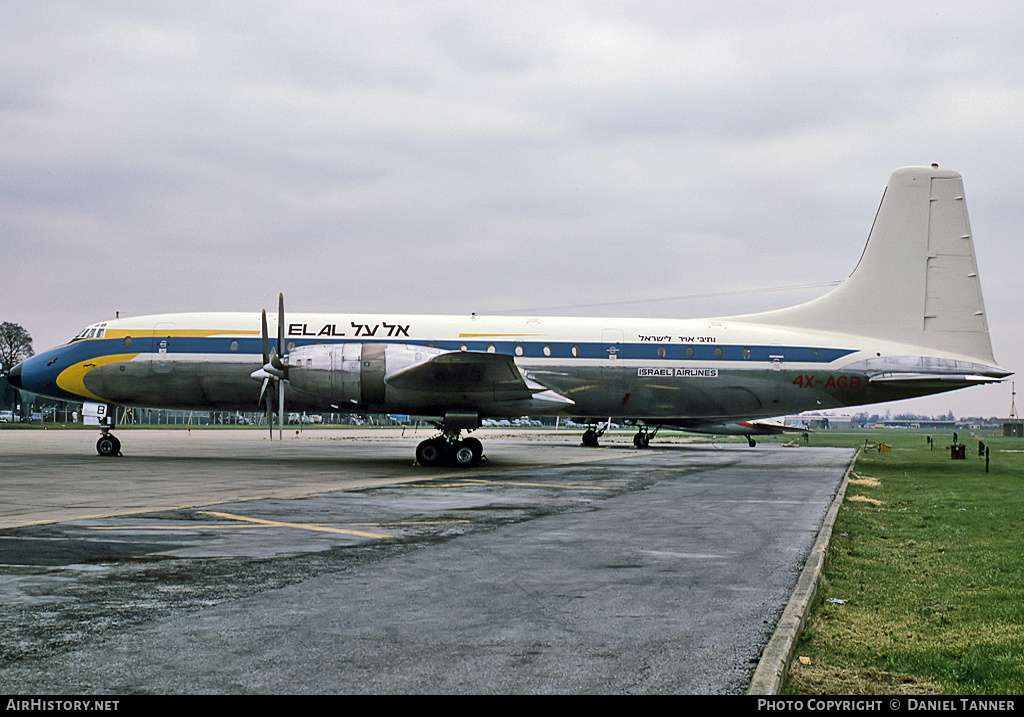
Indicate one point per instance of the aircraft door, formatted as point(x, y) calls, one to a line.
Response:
point(774, 392)
point(613, 372)
point(163, 347)
point(611, 341)
point(345, 366)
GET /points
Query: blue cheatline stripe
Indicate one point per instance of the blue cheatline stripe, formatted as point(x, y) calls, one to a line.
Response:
point(82, 350)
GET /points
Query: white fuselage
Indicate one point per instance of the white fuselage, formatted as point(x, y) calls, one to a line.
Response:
point(654, 369)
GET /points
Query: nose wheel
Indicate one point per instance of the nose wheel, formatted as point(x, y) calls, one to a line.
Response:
point(108, 445)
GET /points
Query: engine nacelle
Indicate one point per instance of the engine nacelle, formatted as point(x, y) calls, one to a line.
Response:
point(351, 374)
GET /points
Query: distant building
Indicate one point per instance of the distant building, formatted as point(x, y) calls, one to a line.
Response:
point(1013, 429)
point(817, 423)
point(920, 423)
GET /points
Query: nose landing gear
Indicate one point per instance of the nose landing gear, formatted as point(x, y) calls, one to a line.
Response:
point(108, 445)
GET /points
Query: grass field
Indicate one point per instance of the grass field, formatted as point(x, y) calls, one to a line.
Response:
point(923, 589)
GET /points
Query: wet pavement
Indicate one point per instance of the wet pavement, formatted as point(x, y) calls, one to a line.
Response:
point(324, 566)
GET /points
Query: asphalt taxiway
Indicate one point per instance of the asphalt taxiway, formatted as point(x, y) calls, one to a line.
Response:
point(225, 562)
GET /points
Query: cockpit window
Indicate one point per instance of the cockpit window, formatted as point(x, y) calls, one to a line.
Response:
point(96, 331)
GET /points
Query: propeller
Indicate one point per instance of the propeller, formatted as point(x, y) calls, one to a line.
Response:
point(274, 369)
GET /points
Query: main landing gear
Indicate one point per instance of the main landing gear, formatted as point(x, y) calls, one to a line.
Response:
point(449, 449)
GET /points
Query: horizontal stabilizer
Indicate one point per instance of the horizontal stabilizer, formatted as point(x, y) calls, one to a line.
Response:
point(918, 380)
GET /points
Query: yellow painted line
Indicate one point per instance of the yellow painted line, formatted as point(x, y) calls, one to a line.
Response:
point(303, 526)
point(72, 379)
point(190, 526)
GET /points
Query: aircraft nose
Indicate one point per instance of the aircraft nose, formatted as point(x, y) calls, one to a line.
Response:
point(14, 377)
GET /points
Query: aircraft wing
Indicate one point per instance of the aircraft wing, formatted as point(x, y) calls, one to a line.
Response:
point(489, 382)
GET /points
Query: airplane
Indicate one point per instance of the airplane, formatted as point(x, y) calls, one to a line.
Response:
point(909, 321)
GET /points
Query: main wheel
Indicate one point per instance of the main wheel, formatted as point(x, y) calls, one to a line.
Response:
point(477, 446)
point(590, 438)
point(431, 452)
point(466, 453)
point(108, 445)
point(642, 440)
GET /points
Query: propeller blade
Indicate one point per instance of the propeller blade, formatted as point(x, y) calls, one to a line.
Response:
point(270, 415)
point(280, 325)
point(275, 367)
point(266, 340)
point(280, 394)
point(279, 365)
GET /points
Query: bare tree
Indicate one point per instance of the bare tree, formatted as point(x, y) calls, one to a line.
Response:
point(15, 346)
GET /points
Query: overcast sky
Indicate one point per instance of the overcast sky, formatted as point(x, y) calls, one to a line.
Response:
point(575, 158)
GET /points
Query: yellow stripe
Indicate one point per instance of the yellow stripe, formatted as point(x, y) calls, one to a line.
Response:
point(72, 379)
point(304, 526)
point(187, 333)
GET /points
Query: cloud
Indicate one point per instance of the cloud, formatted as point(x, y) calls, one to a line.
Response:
point(455, 156)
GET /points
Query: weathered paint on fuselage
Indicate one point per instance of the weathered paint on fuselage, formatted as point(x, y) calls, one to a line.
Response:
point(643, 369)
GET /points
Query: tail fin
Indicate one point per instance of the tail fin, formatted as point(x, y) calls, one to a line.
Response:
point(917, 281)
